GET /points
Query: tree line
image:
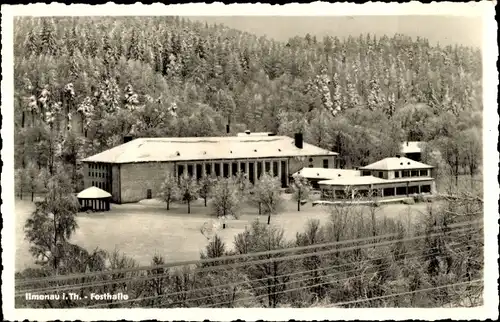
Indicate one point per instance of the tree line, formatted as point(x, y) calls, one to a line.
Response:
point(229, 195)
point(82, 83)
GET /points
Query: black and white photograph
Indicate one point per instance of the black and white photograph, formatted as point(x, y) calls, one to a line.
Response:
point(173, 159)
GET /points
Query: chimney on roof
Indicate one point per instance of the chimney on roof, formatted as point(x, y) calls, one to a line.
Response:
point(299, 143)
point(227, 129)
point(127, 138)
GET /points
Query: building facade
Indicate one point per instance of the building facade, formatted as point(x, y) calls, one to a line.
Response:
point(412, 150)
point(390, 177)
point(136, 170)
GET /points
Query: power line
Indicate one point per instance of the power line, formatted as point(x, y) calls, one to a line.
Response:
point(295, 281)
point(232, 257)
point(148, 277)
point(407, 293)
point(294, 289)
point(202, 261)
point(216, 287)
point(257, 280)
point(248, 282)
point(242, 256)
point(319, 284)
point(100, 273)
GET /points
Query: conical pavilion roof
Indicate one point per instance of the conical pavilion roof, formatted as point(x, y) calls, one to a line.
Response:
point(93, 193)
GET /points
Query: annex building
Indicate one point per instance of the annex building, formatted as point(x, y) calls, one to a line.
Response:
point(390, 177)
point(135, 170)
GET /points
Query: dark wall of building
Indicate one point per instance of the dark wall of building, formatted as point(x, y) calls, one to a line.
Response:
point(414, 156)
point(311, 162)
point(98, 175)
point(115, 183)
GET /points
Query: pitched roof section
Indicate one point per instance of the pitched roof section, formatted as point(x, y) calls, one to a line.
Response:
point(411, 147)
point(396, 163)
point(93, 193)
point(322, 173)
point(205, 148)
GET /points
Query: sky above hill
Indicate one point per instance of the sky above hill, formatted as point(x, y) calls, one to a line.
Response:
point(443, 29)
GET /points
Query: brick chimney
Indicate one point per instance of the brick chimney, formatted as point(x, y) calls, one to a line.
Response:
point(299, 143)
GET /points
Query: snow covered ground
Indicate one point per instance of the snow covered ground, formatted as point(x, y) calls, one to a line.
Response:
point(142, 229)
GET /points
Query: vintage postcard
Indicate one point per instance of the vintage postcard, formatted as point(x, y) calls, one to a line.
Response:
point(250, 161)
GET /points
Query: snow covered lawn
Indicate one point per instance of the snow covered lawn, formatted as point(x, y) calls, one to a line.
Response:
point(142, 229)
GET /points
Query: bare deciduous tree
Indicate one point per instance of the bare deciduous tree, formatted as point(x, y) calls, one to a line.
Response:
point(267, 195)
point(169, 189)
point(226, 199)
point(188, 190)
point(301, 189)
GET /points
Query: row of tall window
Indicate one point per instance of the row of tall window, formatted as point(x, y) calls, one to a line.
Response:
point(387, 192)
point(325, 163)
point(99, 170)
point(411, 173)
point(229, 169)
point(102, 185)
point(399, 174)
point(403, 191)
point(98, 166)
point(99, 174)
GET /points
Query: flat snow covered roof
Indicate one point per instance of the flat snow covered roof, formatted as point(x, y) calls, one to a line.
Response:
point(412, 147)
point(205, 148)
point(326, 173)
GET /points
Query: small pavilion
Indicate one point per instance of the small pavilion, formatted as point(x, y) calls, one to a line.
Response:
point(94, 199)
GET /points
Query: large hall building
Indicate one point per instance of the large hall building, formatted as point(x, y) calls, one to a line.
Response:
point(135, 170)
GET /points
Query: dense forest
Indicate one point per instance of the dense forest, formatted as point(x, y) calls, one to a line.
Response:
point(82, 83)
